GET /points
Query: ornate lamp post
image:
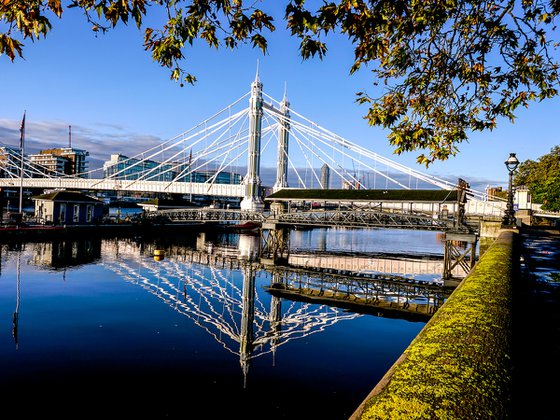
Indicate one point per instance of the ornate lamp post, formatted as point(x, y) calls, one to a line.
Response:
point(511, 164)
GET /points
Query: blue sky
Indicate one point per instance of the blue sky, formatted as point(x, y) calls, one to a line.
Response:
point(118, 100)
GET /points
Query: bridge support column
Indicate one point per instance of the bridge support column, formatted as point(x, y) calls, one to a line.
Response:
point(253, 200)
point(490, 229)
point(456, 255)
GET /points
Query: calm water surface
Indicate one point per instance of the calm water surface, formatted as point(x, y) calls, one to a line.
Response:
point(99, 327)
point(538, 326)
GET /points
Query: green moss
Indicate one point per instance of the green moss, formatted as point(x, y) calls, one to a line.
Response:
point(458, 367)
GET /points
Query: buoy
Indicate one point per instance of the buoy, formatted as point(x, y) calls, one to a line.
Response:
point(159, 254)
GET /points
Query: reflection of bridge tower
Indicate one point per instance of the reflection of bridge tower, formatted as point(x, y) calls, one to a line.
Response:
point(236, 317)
point(246, 336)
point(283, 136)
point(253, 200)
point(275, 318)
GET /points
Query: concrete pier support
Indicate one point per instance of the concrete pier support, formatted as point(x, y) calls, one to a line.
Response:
point(490, 228)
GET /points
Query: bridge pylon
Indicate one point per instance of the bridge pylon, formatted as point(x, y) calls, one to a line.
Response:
point(283, 138)
point(252, 201)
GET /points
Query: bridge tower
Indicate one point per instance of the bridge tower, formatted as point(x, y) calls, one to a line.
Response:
point(283, 137)
point(253, 200)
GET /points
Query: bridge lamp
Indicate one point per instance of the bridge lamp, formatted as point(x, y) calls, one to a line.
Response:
point(511, 164)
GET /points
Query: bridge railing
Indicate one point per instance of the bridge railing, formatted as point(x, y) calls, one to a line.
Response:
point(207, 215)
point(364, 218)
point(195, 188)
point(330, 218)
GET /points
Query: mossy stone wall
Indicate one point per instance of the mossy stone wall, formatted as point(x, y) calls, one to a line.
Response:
point(459, 366)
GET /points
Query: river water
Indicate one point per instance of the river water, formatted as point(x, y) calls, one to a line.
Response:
point(537, 326)
point(100, 327)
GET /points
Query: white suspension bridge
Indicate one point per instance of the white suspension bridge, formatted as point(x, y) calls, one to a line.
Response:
point(221, 157)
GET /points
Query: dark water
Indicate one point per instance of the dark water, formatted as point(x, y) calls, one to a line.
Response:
point(537, 327)
point(99, 328)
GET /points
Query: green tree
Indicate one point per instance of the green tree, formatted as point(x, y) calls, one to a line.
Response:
point(543, 179)
point(446, 67)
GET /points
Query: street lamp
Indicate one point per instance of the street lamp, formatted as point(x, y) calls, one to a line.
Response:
point(511, 164)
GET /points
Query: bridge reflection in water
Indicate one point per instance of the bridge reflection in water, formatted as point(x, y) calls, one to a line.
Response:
point(251, 308)
point(216, 287)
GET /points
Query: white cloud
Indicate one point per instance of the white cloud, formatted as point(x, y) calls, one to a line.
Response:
point(100, 141)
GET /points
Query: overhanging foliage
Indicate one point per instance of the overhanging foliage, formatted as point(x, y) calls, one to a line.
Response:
point(446, 68)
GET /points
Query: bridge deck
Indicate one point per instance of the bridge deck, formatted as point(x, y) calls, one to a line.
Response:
point(338, 195)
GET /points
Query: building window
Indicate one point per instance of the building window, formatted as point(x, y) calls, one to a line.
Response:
point(62, 213)
point(89, 214)
point(76, 213)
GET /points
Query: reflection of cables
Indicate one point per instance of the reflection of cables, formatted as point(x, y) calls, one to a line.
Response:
point(214, 301)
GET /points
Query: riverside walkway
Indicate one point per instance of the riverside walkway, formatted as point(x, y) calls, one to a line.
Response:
point(491, 351)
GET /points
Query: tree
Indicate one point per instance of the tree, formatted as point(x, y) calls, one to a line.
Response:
point(543, 179)
point(447, 67)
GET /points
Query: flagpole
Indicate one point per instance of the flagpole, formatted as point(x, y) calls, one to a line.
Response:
point(21, 142)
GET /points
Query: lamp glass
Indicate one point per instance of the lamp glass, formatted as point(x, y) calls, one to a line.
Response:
point(512, 162)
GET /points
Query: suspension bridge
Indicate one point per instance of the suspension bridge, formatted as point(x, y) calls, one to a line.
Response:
point(226, 156)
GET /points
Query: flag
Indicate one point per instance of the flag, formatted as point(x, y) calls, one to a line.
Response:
point(22, 131)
